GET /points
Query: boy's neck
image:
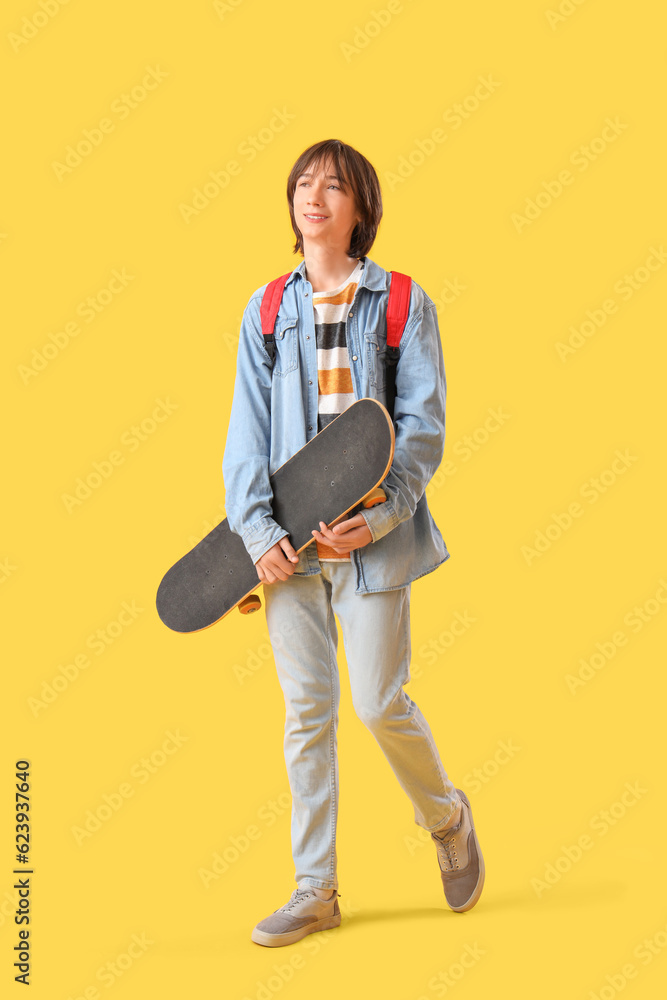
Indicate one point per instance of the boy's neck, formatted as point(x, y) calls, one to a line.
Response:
point(328, 269)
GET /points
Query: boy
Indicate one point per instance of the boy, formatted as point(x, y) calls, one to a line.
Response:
point(330, 344)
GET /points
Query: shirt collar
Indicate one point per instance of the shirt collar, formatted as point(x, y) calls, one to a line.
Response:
point(373, 276)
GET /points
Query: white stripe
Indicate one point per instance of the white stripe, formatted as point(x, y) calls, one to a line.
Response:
point(336, 357)
point(331, 312)
point(335, 402)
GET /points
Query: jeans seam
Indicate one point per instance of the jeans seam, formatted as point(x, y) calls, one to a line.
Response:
point(332, 753)
point(407, 639)
point(436, 758)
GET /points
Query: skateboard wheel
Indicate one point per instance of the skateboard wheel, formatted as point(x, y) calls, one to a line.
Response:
point(250, 604)
point(376, 496)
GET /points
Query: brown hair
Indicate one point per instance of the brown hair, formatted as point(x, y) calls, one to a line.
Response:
point(353, 170)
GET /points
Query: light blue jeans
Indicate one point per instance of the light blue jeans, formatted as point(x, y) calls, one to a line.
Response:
point(376, 634)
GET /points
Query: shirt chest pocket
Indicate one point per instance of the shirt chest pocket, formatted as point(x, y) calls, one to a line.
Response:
point(376, 359)
point(285, 336)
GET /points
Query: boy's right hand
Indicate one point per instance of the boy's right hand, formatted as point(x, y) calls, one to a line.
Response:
point(278, 563)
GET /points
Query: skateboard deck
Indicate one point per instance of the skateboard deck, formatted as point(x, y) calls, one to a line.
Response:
point(326, 479)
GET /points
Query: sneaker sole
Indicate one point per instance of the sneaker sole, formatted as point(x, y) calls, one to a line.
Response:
point(290, 937)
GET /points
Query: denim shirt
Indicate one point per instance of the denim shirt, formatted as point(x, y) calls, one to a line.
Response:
point(274, 414)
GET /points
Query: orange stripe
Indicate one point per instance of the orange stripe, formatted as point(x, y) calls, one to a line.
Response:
point(334, 380)
point(326, 552)
point(345, 296)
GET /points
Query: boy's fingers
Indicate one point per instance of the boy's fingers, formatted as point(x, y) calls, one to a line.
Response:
point(354, 533)
point(352, 522)
point(288, 549)
point(274, 575)
point(264, 577)
point(324, 532)
point(278, 563)
point(280, 571)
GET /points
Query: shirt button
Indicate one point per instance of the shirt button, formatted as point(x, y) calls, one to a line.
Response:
point(350, 313)
point(354, 357)
point(310, 427)
point(307, 336)
point(306, 294)
point(310, 381)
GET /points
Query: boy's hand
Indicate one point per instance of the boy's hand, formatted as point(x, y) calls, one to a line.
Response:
point(278, 563)
point(345, 536)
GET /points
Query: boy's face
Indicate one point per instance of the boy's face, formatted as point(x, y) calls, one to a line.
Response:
point(324, 213)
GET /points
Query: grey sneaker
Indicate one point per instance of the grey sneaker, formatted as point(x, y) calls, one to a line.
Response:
point(461, 861)
point(304, 914)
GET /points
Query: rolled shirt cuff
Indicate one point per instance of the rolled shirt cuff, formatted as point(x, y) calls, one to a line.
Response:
point(261, 536)
point(380, 519)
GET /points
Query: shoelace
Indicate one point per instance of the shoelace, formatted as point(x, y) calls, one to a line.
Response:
point(297, 896)
point(447, 855)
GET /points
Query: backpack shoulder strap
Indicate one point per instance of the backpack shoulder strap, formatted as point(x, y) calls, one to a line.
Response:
point(268, 311)
point(398, 308)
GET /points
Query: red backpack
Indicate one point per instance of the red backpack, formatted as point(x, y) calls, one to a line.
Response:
point(398, 307)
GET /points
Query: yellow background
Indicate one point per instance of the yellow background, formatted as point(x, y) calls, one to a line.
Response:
point(382, 77)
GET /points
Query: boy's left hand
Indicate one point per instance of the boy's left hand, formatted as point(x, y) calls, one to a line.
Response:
point(345, 536)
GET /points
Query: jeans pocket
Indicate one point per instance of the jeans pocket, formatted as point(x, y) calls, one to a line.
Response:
point(287, 354)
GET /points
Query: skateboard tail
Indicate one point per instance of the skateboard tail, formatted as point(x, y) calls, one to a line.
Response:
point(323, 481)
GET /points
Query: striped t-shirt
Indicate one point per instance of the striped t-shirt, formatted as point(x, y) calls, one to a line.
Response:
point(334, 377)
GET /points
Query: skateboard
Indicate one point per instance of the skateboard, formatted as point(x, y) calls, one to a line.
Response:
point(338, 471)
